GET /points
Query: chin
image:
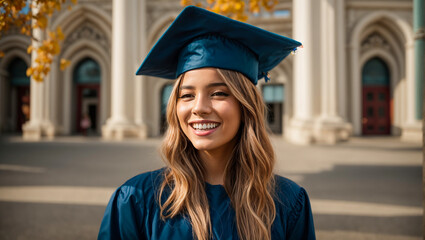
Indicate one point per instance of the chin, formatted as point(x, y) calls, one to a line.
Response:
point(202, 147)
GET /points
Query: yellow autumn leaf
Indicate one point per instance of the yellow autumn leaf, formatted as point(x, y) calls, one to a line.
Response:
point(30, 70)
point(55, 48)
point(29, 49)
point(64, 64)
point(60, 33)
point(42, 22)
point(185, 2)
point(38, 78)
point(225, 8)
point(51, 34)
point(46, 70)
point(238, 6)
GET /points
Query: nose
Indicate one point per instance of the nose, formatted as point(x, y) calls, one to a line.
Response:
point(201, 105)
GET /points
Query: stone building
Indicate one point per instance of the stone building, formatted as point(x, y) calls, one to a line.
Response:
point(354, 76)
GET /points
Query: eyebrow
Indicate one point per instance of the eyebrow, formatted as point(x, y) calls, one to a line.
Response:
point(208, 86)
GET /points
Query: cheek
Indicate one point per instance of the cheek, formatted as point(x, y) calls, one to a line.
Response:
point(231, 112)
point(183, 112)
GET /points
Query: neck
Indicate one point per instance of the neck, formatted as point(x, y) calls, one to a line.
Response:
point(215, 162)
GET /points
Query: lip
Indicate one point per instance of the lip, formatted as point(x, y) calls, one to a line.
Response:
point(202, 121)
point(203, 132)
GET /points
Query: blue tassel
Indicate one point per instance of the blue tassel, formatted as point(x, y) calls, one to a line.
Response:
point(294, 51)
point(266, 76)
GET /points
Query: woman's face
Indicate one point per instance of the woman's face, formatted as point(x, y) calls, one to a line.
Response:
point(208, 113)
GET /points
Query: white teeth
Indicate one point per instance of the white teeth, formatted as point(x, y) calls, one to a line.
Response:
point(205, 126)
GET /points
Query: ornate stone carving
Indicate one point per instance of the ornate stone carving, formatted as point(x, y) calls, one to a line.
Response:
point(374, 41)
point(90, 32)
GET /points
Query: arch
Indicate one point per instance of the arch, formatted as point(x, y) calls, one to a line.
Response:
point(165, 87)
point(8, 94)
point(399, 57)
point(374, 67)
point(11, 55)
point(158, 26)
point(18, 45)
point(14, 41)
point(72, 53)
point(156, 84)
point(284, 75)
point(355, 58)
point(379, 15)
point(17, 70)
point(376, 82)
point(70, 20)
point(85, 70)
point(86, 77)
point(394, 76)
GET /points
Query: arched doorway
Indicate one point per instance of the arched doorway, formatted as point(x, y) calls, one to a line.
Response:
point(273, 95)
point(20, 84)
point(165, 95)
point(86, 77)
point(376, 100)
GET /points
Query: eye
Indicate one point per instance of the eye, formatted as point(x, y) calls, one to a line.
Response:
point(187, 95)
point(220, 94)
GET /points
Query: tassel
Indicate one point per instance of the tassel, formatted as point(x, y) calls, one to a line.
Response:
point(294, 51)
point(266, 76)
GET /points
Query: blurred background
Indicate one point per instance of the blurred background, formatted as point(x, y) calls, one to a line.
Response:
point(345, 112)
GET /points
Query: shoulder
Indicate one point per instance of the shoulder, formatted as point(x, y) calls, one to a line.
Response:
point(147, 179)
point(290, 198)
point(286, 190)
point(129, 207)
point(143, 186)
point(293, 209)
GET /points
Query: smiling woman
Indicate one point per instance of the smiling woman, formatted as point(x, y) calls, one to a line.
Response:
point(219, 181)
point(208, 113)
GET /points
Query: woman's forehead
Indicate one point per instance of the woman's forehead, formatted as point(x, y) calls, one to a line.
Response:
point(203, 77)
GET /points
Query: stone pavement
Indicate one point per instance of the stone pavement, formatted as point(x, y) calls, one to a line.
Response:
point(358, 153)
point(366, 188)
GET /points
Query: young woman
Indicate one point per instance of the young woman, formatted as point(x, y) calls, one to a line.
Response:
point(219, 181)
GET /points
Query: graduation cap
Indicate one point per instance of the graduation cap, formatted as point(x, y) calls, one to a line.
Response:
point(199, 38)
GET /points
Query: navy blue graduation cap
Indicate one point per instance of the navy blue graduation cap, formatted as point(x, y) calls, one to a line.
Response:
point(199, 38)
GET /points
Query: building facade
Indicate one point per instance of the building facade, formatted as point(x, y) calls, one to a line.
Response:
point(354, 75)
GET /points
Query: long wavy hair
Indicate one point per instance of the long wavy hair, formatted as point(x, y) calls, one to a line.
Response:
point(248, 177)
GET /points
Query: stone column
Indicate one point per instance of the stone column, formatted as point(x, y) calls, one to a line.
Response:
point(121, 124)
point(301, 125)
point(419, 29)
point(412, 129)
point(330, 126)
point(33, 129)
point(141, 43)
point(50, 101)
point(3, 101)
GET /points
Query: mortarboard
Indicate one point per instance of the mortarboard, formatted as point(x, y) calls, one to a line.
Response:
point(199, 38)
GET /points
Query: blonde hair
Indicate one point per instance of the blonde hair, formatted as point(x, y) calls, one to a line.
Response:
point(249, 180)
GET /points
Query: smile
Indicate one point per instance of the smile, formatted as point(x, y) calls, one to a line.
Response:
point(204, 126)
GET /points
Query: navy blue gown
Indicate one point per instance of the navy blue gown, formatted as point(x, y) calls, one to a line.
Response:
point(133, 213)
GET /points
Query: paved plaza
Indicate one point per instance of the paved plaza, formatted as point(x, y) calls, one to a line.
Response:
point(366, 188)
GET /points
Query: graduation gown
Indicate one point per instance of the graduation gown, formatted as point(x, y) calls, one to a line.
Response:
point(133, 213)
